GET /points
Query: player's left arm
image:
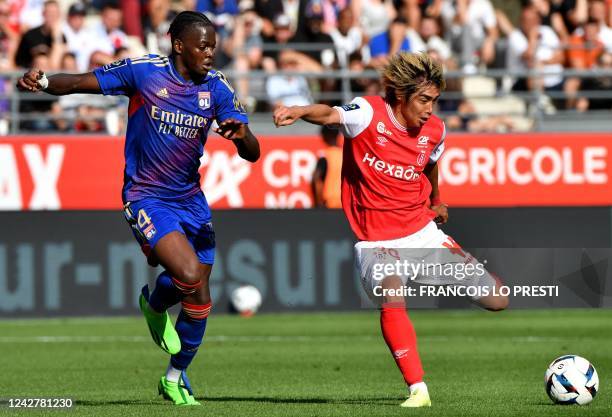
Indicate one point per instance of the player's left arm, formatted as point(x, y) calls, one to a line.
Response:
point(441, 209)
point(431, 171)
point(233, 122)
point(245, 141)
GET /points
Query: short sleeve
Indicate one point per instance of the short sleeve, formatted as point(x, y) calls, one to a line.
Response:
point(226, 103)
point(355, 117)
point(116, 78)
point(437, 151)
point(488, 15)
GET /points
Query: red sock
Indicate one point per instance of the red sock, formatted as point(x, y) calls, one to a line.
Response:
point(400, 336)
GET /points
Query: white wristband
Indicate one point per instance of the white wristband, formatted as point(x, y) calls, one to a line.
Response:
point(43, 82)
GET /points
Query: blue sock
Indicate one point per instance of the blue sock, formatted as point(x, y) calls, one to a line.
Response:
point(191, 332)
point(165, 294)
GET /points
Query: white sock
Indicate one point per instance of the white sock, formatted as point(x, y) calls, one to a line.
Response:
point(173, 374)
point(418, 386)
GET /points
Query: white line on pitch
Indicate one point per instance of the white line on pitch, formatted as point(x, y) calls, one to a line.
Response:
point(251, 339)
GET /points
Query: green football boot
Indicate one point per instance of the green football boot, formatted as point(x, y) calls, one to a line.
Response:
point(177, 392)
point(160, 326)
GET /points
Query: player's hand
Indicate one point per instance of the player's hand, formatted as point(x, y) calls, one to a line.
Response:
point(442, 213)
point(285, 116)
point(232, 129)
point(29, 81)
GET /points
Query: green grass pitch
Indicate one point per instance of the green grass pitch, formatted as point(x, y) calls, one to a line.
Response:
point(477, 364)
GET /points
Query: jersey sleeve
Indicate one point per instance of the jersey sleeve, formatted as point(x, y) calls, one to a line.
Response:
point(116, 78)
point(355, 117)
point(226, 103)
point(437, 151)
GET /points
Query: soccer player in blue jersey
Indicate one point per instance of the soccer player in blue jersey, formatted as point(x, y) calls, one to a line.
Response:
point(173, 101)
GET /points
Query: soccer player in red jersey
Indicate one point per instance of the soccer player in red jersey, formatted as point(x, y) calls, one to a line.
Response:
point(391, 198)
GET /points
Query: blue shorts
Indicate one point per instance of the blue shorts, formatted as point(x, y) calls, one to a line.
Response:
point(153, 218)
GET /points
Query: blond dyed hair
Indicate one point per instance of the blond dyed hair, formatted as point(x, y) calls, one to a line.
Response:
point(406, 73)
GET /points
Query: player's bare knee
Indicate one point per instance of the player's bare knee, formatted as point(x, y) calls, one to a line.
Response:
point(189, 278)
point(191, 273)
point(391, 290)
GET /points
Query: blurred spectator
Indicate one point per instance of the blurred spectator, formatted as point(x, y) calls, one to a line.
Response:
point(37, 110)
point(428, 38)
point(287, 89)
point(381, 48)
point(472, 28)
point(133, 26)
point(79, 40)
point(573, 12)
point(156, 24)
point(597, 13)
point(31, 14)
point(598, 85)
point(108, 34)
point(281, 35)
point(222, 14)
point(374, 16)
point(313, 34)
point(583, 51)
point(46, 40)
point(347, 37)
point(98, 59)
point(585, 47)
point(217, 8)
point(326, 183)
point(533, 46)
point(9, 38)
point(331, 13)
point(269, 10)
point(246, 46)
point(549, 16)
point(412, 11)
point(357, 66)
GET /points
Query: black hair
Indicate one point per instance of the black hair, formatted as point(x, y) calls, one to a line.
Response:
point(185, 20)
point(114, 5)
point(329, 135)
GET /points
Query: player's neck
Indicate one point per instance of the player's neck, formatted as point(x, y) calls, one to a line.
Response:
point(400, 117)
point(184, 72)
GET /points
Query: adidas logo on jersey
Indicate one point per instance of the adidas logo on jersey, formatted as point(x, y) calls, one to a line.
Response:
point(163, 93)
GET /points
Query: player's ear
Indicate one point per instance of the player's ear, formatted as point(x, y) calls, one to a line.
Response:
point(177, 46)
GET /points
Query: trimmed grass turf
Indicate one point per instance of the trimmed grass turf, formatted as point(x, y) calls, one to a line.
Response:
point(477, 364)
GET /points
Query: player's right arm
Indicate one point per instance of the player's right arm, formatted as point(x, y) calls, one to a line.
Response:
point(59, 84)
point(319, 114)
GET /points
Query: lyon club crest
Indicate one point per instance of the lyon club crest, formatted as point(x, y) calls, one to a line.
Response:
point(204, 99)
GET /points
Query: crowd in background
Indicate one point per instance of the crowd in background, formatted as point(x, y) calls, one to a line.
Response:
point(284, 36)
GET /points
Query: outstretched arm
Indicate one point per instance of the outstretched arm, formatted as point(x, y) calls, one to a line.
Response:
point(59, 84)
point(319, 114)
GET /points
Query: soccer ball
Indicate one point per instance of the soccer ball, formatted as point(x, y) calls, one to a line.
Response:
point(246, 300)
point(571, 379)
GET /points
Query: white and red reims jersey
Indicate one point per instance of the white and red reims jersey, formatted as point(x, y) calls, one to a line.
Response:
point(384, 191)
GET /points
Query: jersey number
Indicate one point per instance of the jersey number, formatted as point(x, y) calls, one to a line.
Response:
point(143, 219)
